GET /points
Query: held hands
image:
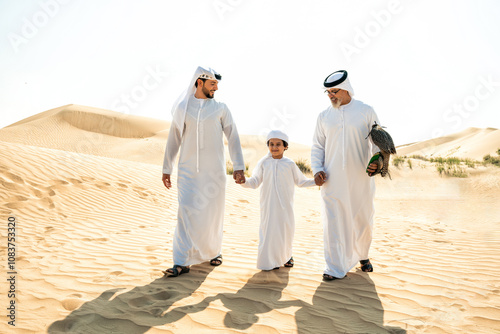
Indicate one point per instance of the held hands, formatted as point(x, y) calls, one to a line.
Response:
point(166, 180)
point(320, 178)
point(239, 176)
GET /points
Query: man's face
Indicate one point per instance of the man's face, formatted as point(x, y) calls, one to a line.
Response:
point(209, 87)
point(336, 96)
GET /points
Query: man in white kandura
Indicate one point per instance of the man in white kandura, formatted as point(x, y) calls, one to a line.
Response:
point(198, 125)
point(341, 151)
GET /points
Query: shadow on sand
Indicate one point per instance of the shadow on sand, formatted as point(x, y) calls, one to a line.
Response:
point(135, 311)
point(260, 295)
point(144, 307)
point(350, 305)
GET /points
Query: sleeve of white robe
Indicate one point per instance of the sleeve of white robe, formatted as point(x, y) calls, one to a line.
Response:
point(233, 140)
point(257, 176)
point(300, 179)
point(173, 144)
point(318, 148)
point(374, 118)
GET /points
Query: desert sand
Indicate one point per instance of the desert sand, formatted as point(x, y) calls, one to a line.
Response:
point(95, 224)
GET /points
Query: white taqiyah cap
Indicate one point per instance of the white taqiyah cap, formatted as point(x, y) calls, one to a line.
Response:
point(277, 134)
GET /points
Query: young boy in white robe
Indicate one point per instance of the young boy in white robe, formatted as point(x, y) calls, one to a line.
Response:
point(278, 175)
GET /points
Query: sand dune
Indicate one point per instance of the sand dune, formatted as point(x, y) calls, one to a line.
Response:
point(106, 133)
point(471, 143)
point(93, 131)
point(95, 228)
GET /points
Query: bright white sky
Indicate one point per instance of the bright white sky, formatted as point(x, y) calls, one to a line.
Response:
point(427, 67)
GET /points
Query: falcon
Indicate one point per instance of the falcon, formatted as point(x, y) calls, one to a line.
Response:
point(383, 140)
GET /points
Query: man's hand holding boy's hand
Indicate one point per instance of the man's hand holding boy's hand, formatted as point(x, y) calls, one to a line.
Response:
point(239, 176)
point(320, 178)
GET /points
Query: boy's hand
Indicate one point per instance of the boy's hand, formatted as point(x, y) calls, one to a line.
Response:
point(320, 178)
point(166, 180)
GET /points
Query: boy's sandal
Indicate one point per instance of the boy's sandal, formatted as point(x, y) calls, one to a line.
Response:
point(327, 277)
point(290, 263)
point(366, 266)
point(174, 272)
point(216, 261)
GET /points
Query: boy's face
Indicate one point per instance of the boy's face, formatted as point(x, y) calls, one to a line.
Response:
point(276, 148)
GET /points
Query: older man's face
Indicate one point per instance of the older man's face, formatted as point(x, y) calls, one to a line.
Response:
point(336, 96)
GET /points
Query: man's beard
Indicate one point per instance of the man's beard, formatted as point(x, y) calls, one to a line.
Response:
point(207, 93)
point(337, 103)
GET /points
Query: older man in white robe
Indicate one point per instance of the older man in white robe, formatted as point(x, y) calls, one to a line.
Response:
point(198, 126)
point(341, 151)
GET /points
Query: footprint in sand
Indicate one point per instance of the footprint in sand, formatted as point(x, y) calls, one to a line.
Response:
point(15, 178)
point(59, 182)
point(71, 304)
point(47, 201)
point(15, 205)
point(77, 183)
point(153, 260)
point(141, 194)
point(37, 193)
point(9, 185)
point(102, 185)
point(17, 199)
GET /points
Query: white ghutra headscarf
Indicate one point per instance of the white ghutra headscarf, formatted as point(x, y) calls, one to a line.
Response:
point(339, 79)
point(180, 106)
